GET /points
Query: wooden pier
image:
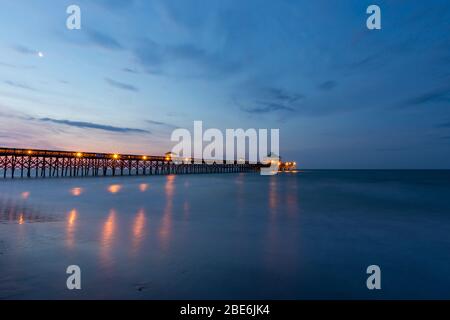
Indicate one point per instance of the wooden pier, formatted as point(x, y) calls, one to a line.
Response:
point(32, 163)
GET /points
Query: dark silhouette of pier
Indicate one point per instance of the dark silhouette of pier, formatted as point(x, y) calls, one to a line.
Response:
point(27, 163)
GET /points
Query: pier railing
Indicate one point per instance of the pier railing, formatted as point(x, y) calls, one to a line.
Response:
point(21, 163)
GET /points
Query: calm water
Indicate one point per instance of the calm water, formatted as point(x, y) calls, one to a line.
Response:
point(291, 236)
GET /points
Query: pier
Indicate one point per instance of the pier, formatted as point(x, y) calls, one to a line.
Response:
point(33, 163)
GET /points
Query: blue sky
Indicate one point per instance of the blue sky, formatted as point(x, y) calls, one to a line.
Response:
point(341, 95)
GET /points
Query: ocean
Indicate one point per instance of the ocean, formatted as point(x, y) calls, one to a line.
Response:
point(305, 235)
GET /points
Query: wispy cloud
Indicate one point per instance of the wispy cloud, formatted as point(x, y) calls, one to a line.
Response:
point(16, 66)
point(92, 125)
point(103, 40)
point(161, 124)
point(25, 50)
point(157, 58)
point(19, 85)
point(130, 70)
point(327, 85)
point(114, 4)
point(121, 85)
point(443, 125)
point(267, 107)
point(434, 96)
point(272, 100)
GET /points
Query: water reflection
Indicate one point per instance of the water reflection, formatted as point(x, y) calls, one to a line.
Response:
point(166, 222)
point(240, 192)
point(114, 188)
point(273, 196)
point(76, 192)
point(186, 208)
point(139, 229)
point(272, 234)
point(70, 228)
point(143, 187)
point(25, 195)
point(108, 230)
point(292, 198)
point(18, 211)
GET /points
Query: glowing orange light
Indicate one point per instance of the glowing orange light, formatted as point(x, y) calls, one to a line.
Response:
point(25, 195)
point(107, 238)
point(79, 154)
point(138, 226)
point(115, 156)
point(114, 188)
point(167, 158)
point(76, 191)
point(143, 187)
point(144, 157)
point(72, 216)
point(70, 228)
point(29, 152)
point(21, 219)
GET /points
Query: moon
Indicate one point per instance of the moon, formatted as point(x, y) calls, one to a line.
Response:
point(40, 54)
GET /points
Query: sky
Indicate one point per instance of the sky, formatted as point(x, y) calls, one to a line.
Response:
point(341, 95)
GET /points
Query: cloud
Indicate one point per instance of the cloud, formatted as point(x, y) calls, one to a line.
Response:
point(162, 124)
point(91, 125)
point(434, 96)
point(444, 125)
point(25, 50)
point(130, 70)
point(272, 100)
point(103, 40)
point(19, 85)
point(327, 85)
point(157, 58)
point(267, 107)
point(392, 149)
point(121, 85)
point(114, 4)
point(15, 66)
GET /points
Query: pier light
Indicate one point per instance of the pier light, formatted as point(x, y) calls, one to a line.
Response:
point(144, 157)
point(115, 156)
point(29, 152)
point(167, 158)
point(79, 154)
point(295, 163)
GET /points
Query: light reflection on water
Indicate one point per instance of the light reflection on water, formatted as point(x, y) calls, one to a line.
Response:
point(139, 231)
point(25, 195)
point(114, 188)
point(216, 236)
point(108, 238)
point(71, 225)
point(143, 187)
point(20, 211)
point(166, 221)
point(76, 192)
